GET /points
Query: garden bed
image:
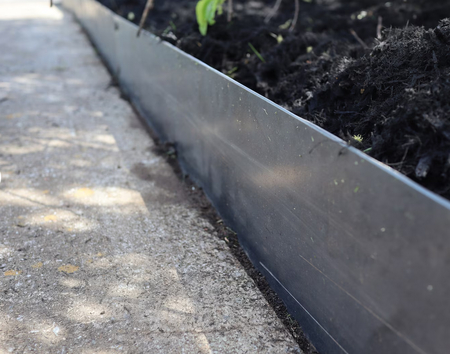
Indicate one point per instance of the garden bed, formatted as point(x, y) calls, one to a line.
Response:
point(357, 251)
point(388, 92)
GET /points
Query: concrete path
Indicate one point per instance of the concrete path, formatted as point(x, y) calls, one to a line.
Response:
point(100, 251)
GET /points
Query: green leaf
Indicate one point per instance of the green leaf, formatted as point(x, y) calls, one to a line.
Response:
point(200, 12)
point(260, 57)
point(285, 25)
point(205, 11)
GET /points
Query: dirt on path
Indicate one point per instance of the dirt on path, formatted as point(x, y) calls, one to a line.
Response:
point(100, 249)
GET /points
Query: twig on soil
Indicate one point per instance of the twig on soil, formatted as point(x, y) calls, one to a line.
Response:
point(402, 160)
point(379, 26)
point(273, 11)
point(297, 10)
point(360, 41)
point(230, 10)
point(148, 7)
point(404, 156)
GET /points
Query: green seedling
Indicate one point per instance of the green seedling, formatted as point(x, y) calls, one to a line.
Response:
point(206, 12)
point(231, 72)
point(256, 52)
point(285, 25)
point(289, 23)
point(171, 27)
point(279, 38)
point(358, 138)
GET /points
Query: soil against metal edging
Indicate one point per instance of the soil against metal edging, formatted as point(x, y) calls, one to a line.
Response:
point(386, 95)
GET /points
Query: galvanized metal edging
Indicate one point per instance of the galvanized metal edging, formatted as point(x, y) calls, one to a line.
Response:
point(358, 252)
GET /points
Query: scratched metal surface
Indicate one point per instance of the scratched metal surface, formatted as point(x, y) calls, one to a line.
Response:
point(358, 252)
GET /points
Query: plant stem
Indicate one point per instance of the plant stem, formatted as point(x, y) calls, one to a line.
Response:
point(297, 10)
point(273, 11)
point(258, 54)
point(230, 10)
point(51, 3)
point(148, 7)
point(379, 26)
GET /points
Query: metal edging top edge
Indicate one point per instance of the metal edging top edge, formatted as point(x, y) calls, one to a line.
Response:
point(397, 175)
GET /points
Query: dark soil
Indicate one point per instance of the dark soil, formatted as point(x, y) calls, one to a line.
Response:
point(390, 92)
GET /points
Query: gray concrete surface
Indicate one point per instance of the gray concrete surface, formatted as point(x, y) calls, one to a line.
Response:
point(100, 251)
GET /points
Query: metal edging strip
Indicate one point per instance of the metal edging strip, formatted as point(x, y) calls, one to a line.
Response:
point(361, 249)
